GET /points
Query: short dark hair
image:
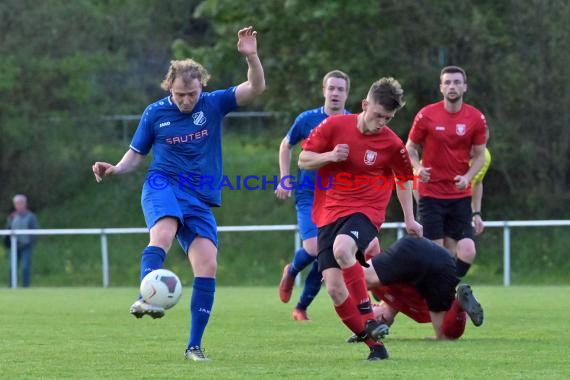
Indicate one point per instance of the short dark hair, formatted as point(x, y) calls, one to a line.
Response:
point(388, 93)
point(453, 70)
point(337, 74)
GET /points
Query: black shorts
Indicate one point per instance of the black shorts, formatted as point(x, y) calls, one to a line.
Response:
point(446, 217)
point(426, 266)
point(357, 226)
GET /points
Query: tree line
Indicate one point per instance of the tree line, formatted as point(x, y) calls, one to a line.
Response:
point(66, 64)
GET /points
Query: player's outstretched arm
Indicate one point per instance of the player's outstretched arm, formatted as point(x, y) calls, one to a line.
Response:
point(255, 85)
point(312, 161)
point(284, 169)
point(128, 163)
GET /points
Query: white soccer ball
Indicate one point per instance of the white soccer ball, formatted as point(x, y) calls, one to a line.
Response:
point(161, 288)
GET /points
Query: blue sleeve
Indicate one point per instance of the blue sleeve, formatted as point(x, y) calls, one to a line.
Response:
point(144, 135)
point(225, 100)
point(296, 133)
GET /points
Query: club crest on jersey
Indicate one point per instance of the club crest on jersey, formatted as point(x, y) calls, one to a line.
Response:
point(370, 157)
point(199, 118)
point(460, 129)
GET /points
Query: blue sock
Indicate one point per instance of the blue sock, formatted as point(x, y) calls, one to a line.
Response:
point(312, 287)
point(152, 258)
point(300, 262)
point(200, 308)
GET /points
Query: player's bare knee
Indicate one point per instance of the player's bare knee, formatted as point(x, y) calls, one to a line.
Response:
point(343, 258)
point(466, 250)
point(163, 232)
point(344, 248)
point(310, 245)
point(205, 267)
point(211, 267)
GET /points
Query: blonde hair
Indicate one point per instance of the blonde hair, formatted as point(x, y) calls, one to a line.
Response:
point(188, 70)
point(388, 93)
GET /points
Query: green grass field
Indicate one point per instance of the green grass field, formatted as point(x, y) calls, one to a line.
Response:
point(87, 333)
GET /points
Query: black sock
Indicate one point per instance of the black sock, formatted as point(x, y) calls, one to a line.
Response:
point(462, 267)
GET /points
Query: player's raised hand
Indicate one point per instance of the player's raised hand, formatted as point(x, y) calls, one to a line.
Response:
point(424, 173)
point(340, 152)
point(247, 41)
point(461, 182)
point(101, 169)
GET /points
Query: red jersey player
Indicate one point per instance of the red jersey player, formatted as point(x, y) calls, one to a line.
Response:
point(447, 131)
point(360, 147)
point(418, 278)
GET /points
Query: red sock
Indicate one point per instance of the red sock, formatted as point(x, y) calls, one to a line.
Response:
point(356, 285)
point(369, 342)
point(454, 321)
point(350, 316)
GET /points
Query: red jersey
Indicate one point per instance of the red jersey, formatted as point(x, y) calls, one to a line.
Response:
point(446, 140)
point(361, 183)
point(405, 298)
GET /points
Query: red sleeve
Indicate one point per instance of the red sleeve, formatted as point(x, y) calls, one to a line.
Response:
point(400, 160)
point(480, 135)
point(319, 141)
point(418, 132)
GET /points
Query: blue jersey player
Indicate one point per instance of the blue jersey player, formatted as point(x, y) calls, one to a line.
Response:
point(184, 132)
point(336, 85)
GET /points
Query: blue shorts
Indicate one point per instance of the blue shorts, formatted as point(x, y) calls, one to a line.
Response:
point(307, 228)
point(195, 218)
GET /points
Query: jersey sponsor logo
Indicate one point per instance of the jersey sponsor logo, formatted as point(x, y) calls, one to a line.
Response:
point(460, 129)
point(370, 157)
point(354, 233)
point(199, 118)
point(165, 124)
point(187, 138)
point(439, 128)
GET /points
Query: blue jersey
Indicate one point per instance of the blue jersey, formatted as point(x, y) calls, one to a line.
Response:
point(300, 130)
point(187, 147)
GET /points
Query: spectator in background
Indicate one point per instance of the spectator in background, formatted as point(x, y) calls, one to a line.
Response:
point(23, 219)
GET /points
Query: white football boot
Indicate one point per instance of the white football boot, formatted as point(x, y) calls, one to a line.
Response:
point(141, 308)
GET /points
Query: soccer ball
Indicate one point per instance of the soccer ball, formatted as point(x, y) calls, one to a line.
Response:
point(161, 288)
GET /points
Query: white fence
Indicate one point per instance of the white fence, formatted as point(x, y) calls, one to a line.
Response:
point(103, 232)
